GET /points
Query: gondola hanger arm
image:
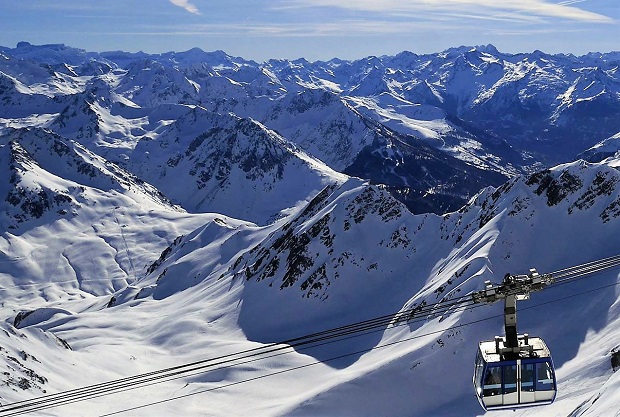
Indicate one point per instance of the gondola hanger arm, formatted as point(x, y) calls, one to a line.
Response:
point(519, 286)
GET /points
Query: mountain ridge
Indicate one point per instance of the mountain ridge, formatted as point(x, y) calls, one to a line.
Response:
point(160, 210)
point(509, 113)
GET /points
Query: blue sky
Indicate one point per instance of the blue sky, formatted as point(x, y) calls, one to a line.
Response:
point(314, 29)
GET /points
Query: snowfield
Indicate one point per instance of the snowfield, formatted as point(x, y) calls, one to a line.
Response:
point(195, 208)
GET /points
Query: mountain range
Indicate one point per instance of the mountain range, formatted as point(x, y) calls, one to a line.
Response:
point(162, 209)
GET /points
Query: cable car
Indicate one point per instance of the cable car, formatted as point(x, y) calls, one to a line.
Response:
point(513, 371)
point(514, 380)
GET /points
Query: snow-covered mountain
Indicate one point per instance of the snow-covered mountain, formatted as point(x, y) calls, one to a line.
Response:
point(44, 173)
point(607, 148)
point(225, 164)
point(159, 210)
point(493, 111)
point(352, 253)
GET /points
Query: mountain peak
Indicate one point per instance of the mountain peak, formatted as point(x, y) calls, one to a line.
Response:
point(489, 48)
point(314, 195)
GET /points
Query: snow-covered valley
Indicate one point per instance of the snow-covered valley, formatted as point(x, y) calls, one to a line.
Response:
point(164, 210)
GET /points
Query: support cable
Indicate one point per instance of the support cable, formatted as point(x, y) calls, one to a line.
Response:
point(403, 317)
point(165, 374)
point(345, 355)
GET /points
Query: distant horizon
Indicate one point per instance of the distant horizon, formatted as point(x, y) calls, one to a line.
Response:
point(454, 47)
point(317, 30)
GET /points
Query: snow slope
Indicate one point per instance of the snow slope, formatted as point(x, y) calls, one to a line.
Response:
point(157, 210)
point(222, 163)
point(351, 254)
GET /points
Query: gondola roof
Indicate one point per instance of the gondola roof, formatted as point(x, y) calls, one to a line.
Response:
point(488, 349)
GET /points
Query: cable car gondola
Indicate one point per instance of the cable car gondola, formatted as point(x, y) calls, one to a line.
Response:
point(514, 380)
point(513, 371)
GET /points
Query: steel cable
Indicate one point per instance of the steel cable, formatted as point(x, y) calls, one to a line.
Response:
point(163, 375)
point(403, 317)
point(348, 354)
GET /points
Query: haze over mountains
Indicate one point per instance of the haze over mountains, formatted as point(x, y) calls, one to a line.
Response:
point(162, 209)
point(433, 128)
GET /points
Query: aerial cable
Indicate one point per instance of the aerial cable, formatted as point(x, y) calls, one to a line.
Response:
point(587, 264)
point(200, 370)
point(585, 271)
point(349, 354)
point(359, 352)
point(113, 386)
point(300, 343)
point(140, 380)
point(589, 267)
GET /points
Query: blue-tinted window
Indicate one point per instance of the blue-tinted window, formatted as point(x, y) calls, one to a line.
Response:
point(492, 383)
point(527, 376)
point(510, 379)
point(544, 377)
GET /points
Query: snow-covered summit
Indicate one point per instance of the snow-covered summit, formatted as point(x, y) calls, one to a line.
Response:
point(165, 209)
point(505, 113)
point(354, 253)
point(222, 163)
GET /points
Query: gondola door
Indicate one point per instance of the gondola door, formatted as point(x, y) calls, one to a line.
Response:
point(511, 383)
point(527, 387)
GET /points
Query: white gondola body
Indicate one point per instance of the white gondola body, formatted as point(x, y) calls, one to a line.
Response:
point(523, 381)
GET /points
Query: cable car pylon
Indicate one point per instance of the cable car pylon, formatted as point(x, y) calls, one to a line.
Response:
point(515, 370)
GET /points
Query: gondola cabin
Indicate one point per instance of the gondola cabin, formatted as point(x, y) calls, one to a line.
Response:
point(514, 380)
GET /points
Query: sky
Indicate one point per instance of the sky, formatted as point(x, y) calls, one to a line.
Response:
point(314, 29)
